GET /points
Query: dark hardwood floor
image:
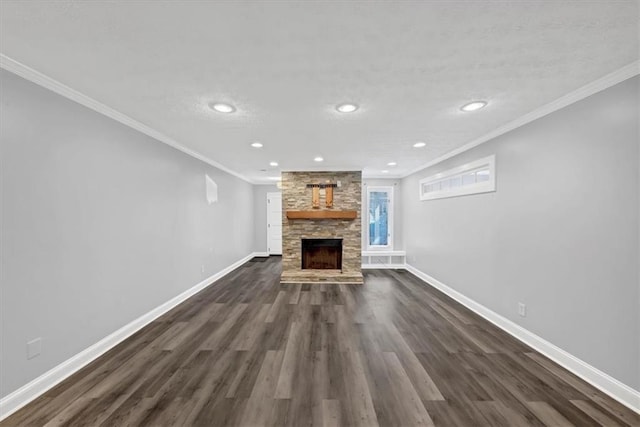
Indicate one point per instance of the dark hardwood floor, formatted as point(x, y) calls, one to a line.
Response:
point(248, 351)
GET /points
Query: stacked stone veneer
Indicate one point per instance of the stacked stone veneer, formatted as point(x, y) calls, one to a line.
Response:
point(296, 196)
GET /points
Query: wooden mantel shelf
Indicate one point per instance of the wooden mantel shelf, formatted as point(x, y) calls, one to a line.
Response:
point(324, 214)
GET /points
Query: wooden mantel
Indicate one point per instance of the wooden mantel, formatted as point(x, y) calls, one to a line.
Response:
point(323, 214)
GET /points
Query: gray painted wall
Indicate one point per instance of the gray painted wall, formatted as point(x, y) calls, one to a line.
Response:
point(100, 224)
point(560, 234)
point(260, 215)
point(398, 237)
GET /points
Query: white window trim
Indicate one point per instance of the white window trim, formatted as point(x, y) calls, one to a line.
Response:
point(480, 187)
point(389, 190)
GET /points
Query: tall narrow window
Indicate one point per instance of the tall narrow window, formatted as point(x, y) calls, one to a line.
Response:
point(380, 217)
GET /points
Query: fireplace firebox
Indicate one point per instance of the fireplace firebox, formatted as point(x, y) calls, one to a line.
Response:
point(322, 254)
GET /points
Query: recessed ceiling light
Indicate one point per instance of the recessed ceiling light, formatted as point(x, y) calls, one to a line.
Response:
point(347, 108)
point(391, 164)
point(385, 171)
point(473, 106)
point(318, 159)
point(257, 144)
point(273, 164)
point(222, 108)
point(419, 144)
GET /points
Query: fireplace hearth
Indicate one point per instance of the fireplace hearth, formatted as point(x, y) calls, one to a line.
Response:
point(324, 254)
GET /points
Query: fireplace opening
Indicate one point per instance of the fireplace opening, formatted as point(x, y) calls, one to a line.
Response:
point(322, 254)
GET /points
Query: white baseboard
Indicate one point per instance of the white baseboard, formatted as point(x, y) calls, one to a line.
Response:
point(25, 394)
point(605, 383)
point(261, 254)
point(612, 387)
point(384, 266)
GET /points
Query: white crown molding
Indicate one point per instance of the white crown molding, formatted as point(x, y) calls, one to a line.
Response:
point(25, 394)
point(600, 380)
point(589, 89)
point(47, 82)
point(585, 91)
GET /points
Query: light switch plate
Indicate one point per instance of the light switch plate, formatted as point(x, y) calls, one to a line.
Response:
point(522, 309)
point(34, 348)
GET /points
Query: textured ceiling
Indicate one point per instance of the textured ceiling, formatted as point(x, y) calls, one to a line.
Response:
point(285, 65)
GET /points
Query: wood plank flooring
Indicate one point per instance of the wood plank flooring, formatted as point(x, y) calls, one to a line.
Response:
point(248, 351)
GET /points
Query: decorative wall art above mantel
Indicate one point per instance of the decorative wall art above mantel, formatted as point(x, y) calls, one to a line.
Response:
point(328, 194)
point(318, 214)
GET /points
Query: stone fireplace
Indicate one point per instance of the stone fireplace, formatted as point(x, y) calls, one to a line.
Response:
point(321, 227)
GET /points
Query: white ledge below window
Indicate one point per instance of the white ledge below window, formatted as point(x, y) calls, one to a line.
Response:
point(383, 259)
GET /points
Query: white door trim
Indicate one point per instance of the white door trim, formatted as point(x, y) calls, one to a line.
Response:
point(272, 193)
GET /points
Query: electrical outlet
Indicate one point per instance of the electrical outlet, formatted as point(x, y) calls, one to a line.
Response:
point(202, 268)
point(522, 309)
point(34, 348)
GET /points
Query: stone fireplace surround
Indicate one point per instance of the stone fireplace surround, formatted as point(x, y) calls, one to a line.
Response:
point(297, 197)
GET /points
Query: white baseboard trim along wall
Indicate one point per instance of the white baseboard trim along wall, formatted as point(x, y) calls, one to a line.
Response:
point(25, 394)
point(605, 383)
point(612, 387)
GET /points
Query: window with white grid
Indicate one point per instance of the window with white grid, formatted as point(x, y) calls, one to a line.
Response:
point(475, 177)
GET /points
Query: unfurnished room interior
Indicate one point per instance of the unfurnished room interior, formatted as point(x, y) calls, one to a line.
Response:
point(320, 213)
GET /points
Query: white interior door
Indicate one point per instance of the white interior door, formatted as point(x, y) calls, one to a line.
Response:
point(274, 223)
